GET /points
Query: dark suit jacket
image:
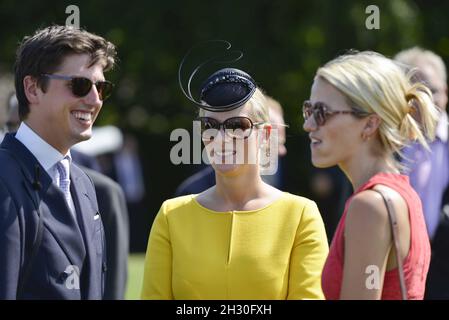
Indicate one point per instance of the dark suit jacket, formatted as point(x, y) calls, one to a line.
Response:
point(114, 213)
point(68, 244)
point(85, 161)
point(437, 284)
point(197, 183)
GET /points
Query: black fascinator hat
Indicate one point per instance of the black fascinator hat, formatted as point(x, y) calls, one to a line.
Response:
point(227, 89)
point(224, 90)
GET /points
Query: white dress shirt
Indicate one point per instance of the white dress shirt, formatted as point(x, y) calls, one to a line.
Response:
point(47, 156)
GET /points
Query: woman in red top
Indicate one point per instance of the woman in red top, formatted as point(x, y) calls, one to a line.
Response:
point(363, 109)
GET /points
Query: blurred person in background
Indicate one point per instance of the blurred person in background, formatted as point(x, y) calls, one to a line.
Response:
point(128, 173)
point(330, 189)
point(121, 162)
point(429, 169)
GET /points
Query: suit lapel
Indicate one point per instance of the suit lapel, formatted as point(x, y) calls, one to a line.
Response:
point(62, 224)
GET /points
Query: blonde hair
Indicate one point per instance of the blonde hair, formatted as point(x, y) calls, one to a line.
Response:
point(259, 106)
point(274, 105)
point(417, 56)
point(373, 83)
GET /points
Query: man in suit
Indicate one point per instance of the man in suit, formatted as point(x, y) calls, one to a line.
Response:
point(51, 234)
point(112, 207)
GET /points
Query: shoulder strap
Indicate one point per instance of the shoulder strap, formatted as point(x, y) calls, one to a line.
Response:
point(26, 269)
point(394, 232)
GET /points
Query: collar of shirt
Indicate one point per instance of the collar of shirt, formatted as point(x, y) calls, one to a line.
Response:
point(442, 127)
point(41, 150)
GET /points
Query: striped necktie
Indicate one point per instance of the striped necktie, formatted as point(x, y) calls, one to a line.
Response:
point(63, 167)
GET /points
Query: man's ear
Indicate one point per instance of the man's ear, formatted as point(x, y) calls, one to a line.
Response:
point(31, 89)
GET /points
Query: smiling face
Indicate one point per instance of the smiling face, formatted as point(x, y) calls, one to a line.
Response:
point(57, 115)
point(338, 140)
point(230, 156)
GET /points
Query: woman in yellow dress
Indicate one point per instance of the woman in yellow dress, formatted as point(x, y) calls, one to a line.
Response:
point(242, 238)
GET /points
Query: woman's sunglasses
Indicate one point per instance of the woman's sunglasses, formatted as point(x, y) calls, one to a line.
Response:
point(321, 112)
point(235, 127)
point(81, 86)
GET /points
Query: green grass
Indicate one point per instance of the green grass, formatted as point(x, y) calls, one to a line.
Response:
point(135, 276)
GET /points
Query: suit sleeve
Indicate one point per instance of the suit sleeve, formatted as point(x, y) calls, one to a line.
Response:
point(308, 256)
point(117, 235)
point(157, 283)
point(10, 252)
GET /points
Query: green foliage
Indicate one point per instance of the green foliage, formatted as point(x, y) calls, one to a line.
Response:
point(135, 276)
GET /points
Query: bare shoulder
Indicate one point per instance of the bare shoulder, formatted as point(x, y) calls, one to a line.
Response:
point(366, 213)
point(368, 204)
point(399, 203)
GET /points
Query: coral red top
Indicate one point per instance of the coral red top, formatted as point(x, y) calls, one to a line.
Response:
point(416, 264)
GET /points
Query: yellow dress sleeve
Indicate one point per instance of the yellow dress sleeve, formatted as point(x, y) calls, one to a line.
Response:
point(309, 254)
point(157, 283)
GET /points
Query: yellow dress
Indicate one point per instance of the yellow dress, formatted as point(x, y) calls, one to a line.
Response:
point(276, 252)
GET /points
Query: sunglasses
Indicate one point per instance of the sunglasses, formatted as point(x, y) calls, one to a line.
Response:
point(235, 127)
point(321, 112)
point(81, 86)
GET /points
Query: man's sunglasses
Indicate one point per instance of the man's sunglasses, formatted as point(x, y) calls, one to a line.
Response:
point(235, 127)
point(81, 86)
point(321, 112)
